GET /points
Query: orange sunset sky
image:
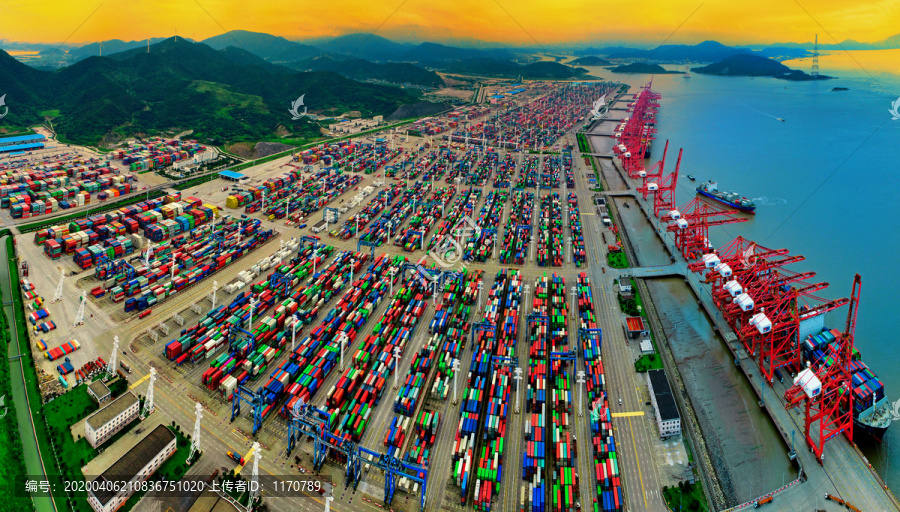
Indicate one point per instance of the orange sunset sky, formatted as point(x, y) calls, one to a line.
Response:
point(547, 21)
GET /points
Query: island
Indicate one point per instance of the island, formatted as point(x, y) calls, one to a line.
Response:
point(754, 65)
point(645, 69)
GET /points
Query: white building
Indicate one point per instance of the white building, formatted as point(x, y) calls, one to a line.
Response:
point(106, 422)
point(141, 461)
point(667, 419)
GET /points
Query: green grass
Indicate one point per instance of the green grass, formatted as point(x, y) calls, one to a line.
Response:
point(197, 181)
point(105, 207)
point(11, 448)
point(617, 259)
point(690, 497)
point(648, 362)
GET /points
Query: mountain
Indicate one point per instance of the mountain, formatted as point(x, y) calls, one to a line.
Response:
point(754, 65)
point(643, 69)
point(434, 52)
point(707, 51)
point(223, 96)
point(590, 60)
point(109, 47)
point(359, 69)
point(267, 46)
point(483, 66)
point(363, 46)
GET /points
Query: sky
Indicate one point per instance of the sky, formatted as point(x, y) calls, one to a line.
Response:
point(512, 22)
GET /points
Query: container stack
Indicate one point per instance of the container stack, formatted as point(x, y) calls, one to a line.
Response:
point(516, 241)
point(374, 209)
point(505, 172)
point(63, 350)
point(462, 207)
point(610, 496)
point(374, 362)
point(317, 353)
point(579, 255)
point(481, 245)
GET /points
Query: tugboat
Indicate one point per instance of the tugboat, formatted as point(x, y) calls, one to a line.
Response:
point(711, 190)
point(691, 177)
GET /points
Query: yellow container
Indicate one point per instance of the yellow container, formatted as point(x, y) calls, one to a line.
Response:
point(231, 202)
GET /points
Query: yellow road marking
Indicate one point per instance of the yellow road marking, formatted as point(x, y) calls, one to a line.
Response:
point(640, 475)
point(627, 414)
point(139, 381)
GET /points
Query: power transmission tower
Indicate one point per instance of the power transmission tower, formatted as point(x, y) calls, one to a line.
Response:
point(148, 402)
point(254, 476)
point(79, 317)
point(195, 438)
point(815, 60)
point(111, 366)
point(57, 296)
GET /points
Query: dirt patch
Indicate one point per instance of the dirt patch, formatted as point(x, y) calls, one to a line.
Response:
point(264, 149)
point(242, 149)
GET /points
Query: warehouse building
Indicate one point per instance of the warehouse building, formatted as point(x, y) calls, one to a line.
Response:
point(106, 422)
point(22, 143)
point(667, 420)
point(138, 464)
point(99, 391)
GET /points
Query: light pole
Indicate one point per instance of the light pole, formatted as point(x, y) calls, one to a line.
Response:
point(397, 357)
point(580, 381)
point(392, 273)
point(455, 366)
point(250, 319)
point(518, 379)
point(294, 332)
point(527, 293)
point(343, 343)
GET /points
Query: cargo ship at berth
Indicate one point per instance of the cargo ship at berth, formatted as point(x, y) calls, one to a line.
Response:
point(711, 190)
point(871, 408)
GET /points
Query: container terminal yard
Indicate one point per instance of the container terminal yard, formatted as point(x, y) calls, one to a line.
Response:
point(430, 319)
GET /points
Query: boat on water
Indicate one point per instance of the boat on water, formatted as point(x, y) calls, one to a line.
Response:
point(687, 70)
point(691, 177)
point(732, 199)
point(780, 119)
point(871, 408)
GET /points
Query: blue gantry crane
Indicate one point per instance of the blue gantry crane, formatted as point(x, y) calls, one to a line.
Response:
point(254, 399)
point(313, 422)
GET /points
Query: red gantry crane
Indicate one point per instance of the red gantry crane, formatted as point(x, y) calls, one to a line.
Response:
point(826, 386)
point(690, 225)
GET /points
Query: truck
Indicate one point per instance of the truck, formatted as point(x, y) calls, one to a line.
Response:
point(762, 501)
point(235, 457)
point(125, 366)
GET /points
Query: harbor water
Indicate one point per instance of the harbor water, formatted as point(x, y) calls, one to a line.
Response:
point(822, 181)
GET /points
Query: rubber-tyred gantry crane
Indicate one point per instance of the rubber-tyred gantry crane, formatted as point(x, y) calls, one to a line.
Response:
point(826, 388)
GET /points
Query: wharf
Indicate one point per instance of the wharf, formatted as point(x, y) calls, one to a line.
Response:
point(844, 473)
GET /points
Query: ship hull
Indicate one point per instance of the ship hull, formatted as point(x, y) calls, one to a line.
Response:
point(876, 433)
point(745, 209)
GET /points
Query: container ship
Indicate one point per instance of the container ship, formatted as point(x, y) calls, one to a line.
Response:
point(871, 408)
point(710, 190)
